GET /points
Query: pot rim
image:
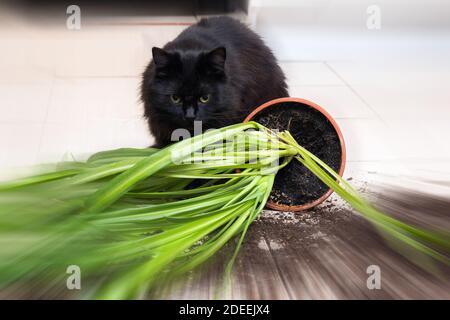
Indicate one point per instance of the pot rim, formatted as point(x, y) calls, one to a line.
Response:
point(282, 207)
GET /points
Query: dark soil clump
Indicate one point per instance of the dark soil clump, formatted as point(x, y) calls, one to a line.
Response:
point(295, 184)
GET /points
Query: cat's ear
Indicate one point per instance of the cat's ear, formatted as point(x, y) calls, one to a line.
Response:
point(216, 59)
point(161, 58)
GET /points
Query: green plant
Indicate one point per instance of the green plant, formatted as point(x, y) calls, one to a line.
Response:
point(129, 216)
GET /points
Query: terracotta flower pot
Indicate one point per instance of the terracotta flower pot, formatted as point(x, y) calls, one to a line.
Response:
point(326, 121)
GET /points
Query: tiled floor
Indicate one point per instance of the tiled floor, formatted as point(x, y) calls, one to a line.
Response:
point(64, 92)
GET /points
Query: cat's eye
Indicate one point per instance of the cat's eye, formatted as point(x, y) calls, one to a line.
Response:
point(175, 98)
point(204, 98)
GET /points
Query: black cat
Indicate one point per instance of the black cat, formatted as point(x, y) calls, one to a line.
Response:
point(216, 71)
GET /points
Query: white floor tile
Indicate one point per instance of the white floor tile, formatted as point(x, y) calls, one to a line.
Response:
point(422, 70)
point(100, 55)
point(339, 101)
point(411, 103)
point(19, 144)
point(80, 139)
point(108, 51)
point(406, 90)
point(309, 73)
point(158, 36)
point(25, 102)
point(63, 140)
point(117, 134)
point(396, 139)
point(86, 99)
point(420, 139)
point(366, 140)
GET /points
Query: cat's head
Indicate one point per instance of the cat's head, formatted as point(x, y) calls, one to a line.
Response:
point(188, 86)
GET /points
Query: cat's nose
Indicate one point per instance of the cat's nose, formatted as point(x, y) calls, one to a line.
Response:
point(190, 113)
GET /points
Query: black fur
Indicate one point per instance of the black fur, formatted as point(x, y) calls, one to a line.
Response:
point(219, 58)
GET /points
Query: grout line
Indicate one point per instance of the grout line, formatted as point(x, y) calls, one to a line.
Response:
point(356, 93)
